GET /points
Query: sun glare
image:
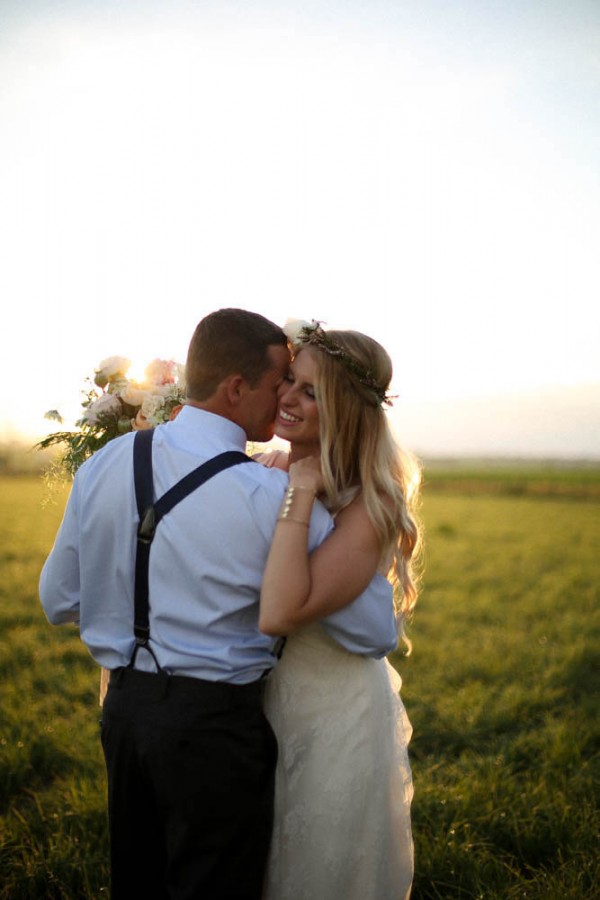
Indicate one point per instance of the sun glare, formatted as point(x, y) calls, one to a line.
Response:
point(137, 371)
point(158, 173)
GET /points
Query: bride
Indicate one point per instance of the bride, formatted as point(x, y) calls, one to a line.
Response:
point(343, 783)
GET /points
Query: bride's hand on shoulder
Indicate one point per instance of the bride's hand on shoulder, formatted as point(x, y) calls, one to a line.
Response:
point(306, 473)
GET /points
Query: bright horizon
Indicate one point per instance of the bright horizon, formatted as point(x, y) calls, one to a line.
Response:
point(424, 173)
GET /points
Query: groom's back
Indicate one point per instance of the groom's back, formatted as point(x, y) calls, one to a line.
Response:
point(206, 561)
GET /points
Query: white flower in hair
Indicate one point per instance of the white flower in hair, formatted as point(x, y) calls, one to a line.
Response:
point(293, 328)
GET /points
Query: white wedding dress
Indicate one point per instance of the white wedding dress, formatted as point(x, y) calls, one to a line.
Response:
point(343, 783)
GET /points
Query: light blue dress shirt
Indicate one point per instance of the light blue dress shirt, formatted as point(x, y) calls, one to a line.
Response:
point(206, 562)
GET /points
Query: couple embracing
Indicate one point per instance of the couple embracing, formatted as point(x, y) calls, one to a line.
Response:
point(237, 769)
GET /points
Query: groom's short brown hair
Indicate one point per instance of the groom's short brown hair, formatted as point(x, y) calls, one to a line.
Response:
point(229, 342)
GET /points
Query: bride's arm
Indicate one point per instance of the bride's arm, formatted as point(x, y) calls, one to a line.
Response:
point(298, 588)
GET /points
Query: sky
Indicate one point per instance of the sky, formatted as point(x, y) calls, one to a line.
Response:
point(424, 171)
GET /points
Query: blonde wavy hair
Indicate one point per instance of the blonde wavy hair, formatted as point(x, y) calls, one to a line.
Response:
point(359, 452)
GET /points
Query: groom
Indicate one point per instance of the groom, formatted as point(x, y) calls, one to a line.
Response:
point(190, 757)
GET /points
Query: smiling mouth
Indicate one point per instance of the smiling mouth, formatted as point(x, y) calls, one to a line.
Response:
point(286, 417)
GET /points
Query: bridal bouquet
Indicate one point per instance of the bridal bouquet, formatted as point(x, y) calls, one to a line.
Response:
point(114, 404)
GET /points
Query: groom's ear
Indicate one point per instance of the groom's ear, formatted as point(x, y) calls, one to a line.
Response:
point(235, 387)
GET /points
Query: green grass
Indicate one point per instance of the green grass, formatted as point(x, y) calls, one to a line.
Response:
point(52, 790)
point(501, 690)
point(516, 478)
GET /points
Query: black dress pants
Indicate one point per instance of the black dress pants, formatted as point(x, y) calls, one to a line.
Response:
point(190, 769)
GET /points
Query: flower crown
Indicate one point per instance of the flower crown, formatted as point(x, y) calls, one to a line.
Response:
point(299, 332)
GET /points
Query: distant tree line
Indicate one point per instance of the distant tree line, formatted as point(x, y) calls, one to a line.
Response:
point(20, 458)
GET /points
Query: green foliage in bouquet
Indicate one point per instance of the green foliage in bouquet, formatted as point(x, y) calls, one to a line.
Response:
point(113, 405)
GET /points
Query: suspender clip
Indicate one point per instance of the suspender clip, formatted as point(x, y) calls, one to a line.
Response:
point(147, 526)
point(142, 635)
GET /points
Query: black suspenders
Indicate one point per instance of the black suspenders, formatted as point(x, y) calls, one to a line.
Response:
point(150, 513)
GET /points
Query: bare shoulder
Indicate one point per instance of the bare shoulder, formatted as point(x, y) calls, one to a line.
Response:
point(354, 516)
point(273, 459)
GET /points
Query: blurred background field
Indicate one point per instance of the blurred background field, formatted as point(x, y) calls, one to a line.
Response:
point(501, 688)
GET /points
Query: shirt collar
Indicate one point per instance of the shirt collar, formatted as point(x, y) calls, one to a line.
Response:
point(198, 424)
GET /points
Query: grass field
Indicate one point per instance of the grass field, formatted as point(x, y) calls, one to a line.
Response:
point(502, 691)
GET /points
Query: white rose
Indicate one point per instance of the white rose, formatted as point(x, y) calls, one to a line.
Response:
point(172, 392)
point(114, 365)
point(106, 405)
point(293, 328)
point(133, 395)
point(152, 408)
point(161, 390)
point(160, 371)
